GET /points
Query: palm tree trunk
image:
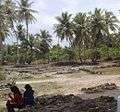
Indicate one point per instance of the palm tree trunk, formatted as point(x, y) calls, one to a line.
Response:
point(80, 59)
point(27, 35)
point(1, 44)
point(18, 56)
point(84, 54)
point(1, 48)
point(58, 41)
point(27, 28)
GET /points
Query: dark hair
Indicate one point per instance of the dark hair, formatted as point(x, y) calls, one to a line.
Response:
point(15, 90)
point(28, 87)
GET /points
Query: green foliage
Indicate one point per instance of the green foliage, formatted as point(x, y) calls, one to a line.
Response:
point(64, 28)
point(109, 53)
point(58, 53)
point(88, 31)
point(103, 53)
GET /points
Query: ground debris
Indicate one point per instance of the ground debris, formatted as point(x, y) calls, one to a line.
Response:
point(100, 88)
point(71, 103)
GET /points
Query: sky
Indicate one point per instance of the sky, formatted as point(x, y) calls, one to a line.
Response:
point(49, 9)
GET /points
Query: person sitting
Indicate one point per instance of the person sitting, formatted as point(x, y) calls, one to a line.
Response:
point(29, 96)
point(15, 99)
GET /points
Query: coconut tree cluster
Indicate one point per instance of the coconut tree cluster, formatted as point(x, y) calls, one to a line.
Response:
point(15, 17)
point(89, 32)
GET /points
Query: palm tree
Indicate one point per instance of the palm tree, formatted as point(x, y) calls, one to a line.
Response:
point(64, 28)
point(81, 31)
point(45, 36)
point(25, 13)
point(97, 26)
point(20, 35)
point(4, 26)
point(102, 24)
point(11, 13)
point(7, 19)
point(98, 29)
point(43, 41)
point(111, 26)
point(111, 22)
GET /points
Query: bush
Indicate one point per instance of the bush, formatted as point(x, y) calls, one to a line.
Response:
point(103, 53)
point(58, 53)
point(109, 53)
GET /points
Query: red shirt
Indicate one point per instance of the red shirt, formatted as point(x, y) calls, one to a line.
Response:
point(17, 99)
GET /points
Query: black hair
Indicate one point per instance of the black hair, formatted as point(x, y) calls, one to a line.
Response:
point(28, 87)
point(15, 90)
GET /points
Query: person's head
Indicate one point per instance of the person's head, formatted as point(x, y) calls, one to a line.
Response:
point(15, 90)
point(28, 87)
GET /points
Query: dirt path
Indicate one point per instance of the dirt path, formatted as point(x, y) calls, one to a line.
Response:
point(89, 80)
point(42, 81)
point(73, 85)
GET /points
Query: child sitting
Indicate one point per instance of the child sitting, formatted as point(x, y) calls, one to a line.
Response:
point(15, 99)
point(29, 96)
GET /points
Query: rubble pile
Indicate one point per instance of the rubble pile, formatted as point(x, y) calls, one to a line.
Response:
point(100, 88)
point(71, 103)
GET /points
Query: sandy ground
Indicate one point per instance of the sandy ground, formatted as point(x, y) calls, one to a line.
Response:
point(72, 84)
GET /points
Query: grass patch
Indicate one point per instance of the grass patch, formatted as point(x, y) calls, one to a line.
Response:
point(2, 106)
point(2, 77)
point(47, 88)
point(110, 71)
point(45, 77)
point(2, 109)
